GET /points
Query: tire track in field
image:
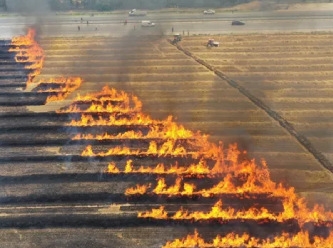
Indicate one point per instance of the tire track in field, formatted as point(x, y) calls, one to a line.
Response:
point(273, 114)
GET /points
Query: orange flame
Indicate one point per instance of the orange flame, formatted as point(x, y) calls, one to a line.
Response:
point(201, 168)
point(105, 94)
point(255, 178)
point(297, 211)
point(189, 241)
point(28, 51)
point(216, 212)
point(26, 40)
point(64, 86)
point(139, 189)
point(161, 188)
point(106, 101)
point(158, 213)
point(113, 151)
point(296, 208)
point(111, 120)
point(301, 239)
point(167, 131)
point(111, 101)
point(113, 168)
point(240, 175)
point(258, 176)
point(167, 148)
point(226, 186)
point(127, 135)
point(170, 130)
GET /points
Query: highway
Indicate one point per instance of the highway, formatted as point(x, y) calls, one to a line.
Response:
point(190, 23)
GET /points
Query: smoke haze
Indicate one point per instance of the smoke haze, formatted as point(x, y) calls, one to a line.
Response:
point(34, 12)
point(29, 7)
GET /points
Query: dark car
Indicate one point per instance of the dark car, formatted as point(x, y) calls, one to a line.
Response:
point(237, 23)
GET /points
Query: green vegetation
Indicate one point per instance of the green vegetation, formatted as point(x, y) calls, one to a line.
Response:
point(109, 5)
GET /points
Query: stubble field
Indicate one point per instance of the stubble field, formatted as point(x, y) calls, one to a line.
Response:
point(289, 72)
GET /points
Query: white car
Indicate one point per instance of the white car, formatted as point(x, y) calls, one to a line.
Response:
point(135, 12)
point(209, 12)
point(147, 24)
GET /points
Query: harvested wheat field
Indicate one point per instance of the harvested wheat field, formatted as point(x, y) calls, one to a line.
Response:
point(104, 142)
point(290, 73)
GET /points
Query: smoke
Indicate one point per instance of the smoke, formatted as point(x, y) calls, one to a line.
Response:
point(29, 7)
point(34, 12)
point(122, 55)
point(139, 49)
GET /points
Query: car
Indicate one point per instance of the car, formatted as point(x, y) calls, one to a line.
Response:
point(209, 12)
point(237, 23)
point(147, 24)
point(135, 12)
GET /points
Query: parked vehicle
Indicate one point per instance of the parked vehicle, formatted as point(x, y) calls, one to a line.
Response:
point(176, 38)
point(212, 43)
point(147, 24)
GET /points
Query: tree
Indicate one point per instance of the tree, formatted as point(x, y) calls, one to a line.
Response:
point(171, 3)
point(60, 4)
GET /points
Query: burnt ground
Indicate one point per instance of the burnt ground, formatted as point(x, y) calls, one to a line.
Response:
point(52, 196)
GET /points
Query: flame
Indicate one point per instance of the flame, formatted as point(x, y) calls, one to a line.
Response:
point(106, 101)
point(158, 213)
point(216, 212)
point(225, 186)
point(258, 181)
point(170, 131)
point(105, 94)
point(200, 168)
point(127, 135)
point(139, 189)
point(167, 148)
point(63, 87)
point(258, 177)
point(87, 152)
point(240, 176)
point(300, 239)
point(190, 241)
point(111, 101)
point(254, 178)
point(296, 208)
point(28, 51)
point(297, 211)
point(176, 189)
point(112, 120)
point(26, 40)
point(112, 168)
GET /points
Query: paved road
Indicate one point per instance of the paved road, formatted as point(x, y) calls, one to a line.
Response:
point(64, 25)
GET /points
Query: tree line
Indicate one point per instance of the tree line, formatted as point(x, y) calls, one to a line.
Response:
point(108, 5)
